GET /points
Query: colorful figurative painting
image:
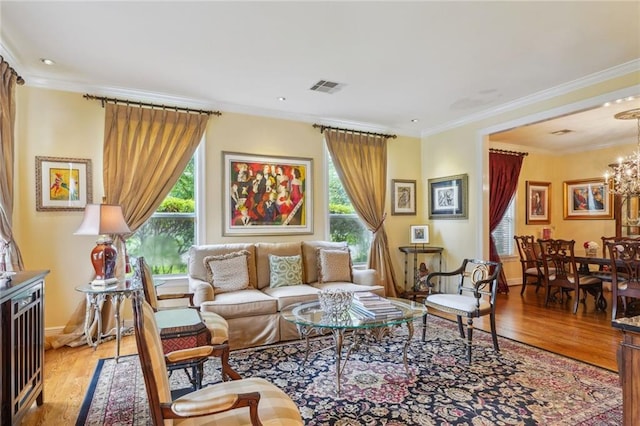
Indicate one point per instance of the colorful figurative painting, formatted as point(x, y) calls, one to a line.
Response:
point(266, 195)
point(587, 199)
point(538, 203)
point(63, 183)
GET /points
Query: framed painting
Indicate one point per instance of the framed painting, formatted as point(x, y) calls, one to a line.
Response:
point(403, 196)
point(538, 203)
point(266, 195)
point(448, 197)
point(419, 234)
point(587, 199)
point(63, 184)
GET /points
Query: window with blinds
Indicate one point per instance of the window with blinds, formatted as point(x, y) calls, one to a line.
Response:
point(503, 234)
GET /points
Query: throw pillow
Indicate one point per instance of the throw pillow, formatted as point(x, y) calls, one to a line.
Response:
point(334, 265)
point(228, 272)
point(285, 270)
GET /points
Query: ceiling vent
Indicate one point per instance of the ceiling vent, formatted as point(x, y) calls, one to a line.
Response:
point(561, 132)
point(326, 86)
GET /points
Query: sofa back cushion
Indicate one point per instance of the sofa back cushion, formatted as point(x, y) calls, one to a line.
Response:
point(310, 257)
point(228, 272)
point(285, 270)
point(263, 250)
point(197, 254)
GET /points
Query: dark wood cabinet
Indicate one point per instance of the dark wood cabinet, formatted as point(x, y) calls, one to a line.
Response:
point(629, 368)
point(627, 214)
point(21, 344)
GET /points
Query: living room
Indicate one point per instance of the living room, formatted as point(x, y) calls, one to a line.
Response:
point(57, 121)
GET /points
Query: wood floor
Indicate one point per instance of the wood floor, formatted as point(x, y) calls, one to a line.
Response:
point(587, 336)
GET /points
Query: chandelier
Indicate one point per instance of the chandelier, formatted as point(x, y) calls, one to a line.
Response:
point(625, 174)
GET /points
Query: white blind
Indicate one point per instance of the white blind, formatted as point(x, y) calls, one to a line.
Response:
point(503, 234)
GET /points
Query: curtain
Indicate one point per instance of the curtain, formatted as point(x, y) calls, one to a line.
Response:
point(10, 256)
point(504, 170)
point(145, 152)
point(361, 163)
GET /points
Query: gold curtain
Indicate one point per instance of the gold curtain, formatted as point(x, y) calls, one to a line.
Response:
point(361, 163)
point(10, 256)
point(145, 152)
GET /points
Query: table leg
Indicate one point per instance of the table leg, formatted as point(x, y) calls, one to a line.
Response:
point(117, 298)
point(338, 335)
point(406, 347)
point(94, 304)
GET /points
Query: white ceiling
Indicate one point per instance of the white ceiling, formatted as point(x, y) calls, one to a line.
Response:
point(442, 63)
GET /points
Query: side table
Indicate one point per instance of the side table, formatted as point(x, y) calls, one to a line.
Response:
point(413, 291)
point(96, 296)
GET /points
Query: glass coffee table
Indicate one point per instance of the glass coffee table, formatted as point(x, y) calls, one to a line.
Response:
point(310, 320)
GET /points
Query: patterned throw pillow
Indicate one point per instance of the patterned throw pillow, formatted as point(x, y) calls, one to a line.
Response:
point(285, 270)
point(228, 272)
point(334, 265)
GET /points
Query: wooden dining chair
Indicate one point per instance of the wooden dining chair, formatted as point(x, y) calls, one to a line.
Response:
point(561, 271)
point(625, 268)
point(530, 262)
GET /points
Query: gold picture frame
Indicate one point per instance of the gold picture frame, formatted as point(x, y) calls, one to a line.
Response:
point(63, 184)
point(403, 197)
point(538, 203)
point(587, 199)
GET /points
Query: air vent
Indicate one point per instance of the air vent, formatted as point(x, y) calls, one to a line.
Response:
point(561, 132)
point(326, 86)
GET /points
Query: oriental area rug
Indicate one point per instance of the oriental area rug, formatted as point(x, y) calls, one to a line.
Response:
point(521, 385)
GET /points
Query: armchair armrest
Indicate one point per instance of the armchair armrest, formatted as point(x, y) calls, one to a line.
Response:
point(175, 296)
point(365, 277)
point(193, 406)
point(188, 354)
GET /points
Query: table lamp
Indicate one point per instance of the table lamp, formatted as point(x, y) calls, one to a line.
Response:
point(103, 220)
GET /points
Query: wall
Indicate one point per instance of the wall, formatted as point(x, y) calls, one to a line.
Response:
point(63, 124)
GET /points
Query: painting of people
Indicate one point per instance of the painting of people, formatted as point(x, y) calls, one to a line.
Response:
point(267, 195)
point(538, 203)
point(588, 199)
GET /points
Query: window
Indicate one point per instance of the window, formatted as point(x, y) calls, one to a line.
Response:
point(165, 238)
point(503, 234)
point(344, 223)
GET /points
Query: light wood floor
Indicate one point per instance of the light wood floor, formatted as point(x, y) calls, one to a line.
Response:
point(587, 336)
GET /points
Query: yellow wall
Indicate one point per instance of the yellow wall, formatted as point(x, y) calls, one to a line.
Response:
point(62, 124)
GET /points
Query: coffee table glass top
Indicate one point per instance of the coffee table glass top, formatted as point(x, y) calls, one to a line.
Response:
point(310, 314)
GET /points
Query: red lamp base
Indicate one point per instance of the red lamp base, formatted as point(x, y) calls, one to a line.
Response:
point(103, 259)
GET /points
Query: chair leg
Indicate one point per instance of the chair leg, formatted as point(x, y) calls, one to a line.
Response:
point(424, 327)
point(494, 334)
point(460, 327)
point(222, 351)
point(575, 304)
point(469, 338)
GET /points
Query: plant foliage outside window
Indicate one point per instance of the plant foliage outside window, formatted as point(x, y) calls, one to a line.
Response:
point(344, 223)
point(165, 238)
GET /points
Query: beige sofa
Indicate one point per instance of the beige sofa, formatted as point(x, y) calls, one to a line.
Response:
point(253, 313)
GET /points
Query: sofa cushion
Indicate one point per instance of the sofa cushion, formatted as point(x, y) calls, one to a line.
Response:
point(239, 304)
point(285, 270)
point(310, 257)
point(289, 295)
point(228, 272)
point(197, 253)
point(263, 250)
point(334, 265)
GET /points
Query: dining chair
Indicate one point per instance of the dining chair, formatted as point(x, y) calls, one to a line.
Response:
point(251, 401)
point(475, 297)
point(561, 271)
point(625, 268)
point(530, 262)
point(182, 320)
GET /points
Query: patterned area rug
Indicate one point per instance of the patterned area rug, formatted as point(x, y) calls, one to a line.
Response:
point(520, 385)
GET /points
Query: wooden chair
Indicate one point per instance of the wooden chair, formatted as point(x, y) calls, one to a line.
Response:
point(249, 401)
point(529, 252)
point(475, 297)
point(625, 268)
point(560, 270)
point(182, 320)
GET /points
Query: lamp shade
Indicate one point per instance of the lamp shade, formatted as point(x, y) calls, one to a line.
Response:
point(103, 219)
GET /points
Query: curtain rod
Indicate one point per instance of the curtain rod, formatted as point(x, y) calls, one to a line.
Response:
point(323, 128)
point(145, 104)
point(502, 151)
point(19, 79)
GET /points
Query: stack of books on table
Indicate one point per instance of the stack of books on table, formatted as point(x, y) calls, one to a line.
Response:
point(372, 306)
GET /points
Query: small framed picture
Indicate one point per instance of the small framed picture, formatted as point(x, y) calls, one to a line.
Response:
point(587, 199)
point(538, 203)
point(448, 197)
point(63, 183)
point(419, 234)
point(403, 196)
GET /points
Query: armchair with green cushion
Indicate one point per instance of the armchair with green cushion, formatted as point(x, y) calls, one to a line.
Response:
point(252, 401)
point(175, 317)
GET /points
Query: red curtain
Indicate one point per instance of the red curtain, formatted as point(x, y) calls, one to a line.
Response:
point(504, 170)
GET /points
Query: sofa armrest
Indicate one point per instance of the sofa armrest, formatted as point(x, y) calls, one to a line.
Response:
point(365, 277)
point(202, 291)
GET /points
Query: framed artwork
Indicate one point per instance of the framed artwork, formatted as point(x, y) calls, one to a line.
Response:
point(63, 184)
point(448, 197)
point(403, 196)
point(419, 234)
point(587, 199)
point(265, 195)
point(538, 203)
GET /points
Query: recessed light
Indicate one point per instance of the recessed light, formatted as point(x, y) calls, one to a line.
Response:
point(415, 120)
point(47, 61)
point(282, 98)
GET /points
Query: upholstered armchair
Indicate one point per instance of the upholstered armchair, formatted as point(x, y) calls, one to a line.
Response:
point(252, 401)
point(475, 297)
